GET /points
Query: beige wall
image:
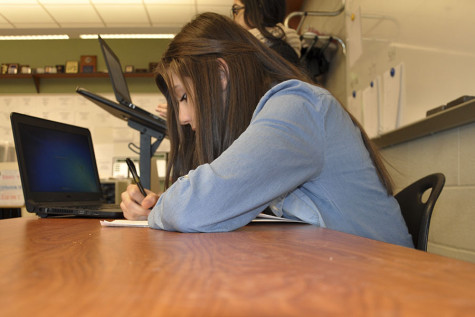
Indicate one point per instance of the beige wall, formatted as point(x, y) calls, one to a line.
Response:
point(110, 135)
point(452, 229)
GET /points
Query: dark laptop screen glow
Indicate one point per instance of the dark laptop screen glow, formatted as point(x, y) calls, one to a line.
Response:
point(58, 161)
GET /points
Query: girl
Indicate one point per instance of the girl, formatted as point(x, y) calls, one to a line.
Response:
point(248, 131)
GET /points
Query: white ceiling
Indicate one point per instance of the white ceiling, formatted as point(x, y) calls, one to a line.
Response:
point(73, 17)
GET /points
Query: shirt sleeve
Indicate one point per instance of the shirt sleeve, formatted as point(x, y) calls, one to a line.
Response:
point(279, 151)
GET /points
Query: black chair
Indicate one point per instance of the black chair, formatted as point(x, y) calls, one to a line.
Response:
point(417, 213)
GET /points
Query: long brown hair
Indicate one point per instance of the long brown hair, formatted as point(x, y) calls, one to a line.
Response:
point(262, 14)
point(195, 55)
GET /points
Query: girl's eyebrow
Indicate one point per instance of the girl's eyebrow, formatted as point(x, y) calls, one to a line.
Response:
point(178, 88)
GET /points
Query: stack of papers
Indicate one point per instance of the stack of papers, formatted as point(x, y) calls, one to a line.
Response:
point(144, 223)
point(124, 223)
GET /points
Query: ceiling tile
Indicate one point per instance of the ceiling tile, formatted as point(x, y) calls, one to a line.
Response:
point(73, 14)
point(29, 25)
point(126, 14)
point(215, 3)
point(176, 2)
point(62, 2)
point(129, 26)
point(116, 2)
point(25, 14)
point(166, 15)
point(18, 2)
point(161, 15)
point(221, 9)
point(82, 25)
point(3, 21)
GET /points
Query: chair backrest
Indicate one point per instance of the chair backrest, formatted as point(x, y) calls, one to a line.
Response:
point(417, 213)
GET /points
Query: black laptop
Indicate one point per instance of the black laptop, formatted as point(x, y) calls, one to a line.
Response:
point(58, 169)
point(124, 109)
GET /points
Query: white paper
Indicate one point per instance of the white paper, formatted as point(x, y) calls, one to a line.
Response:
point(104, 159)
point(354, 42)
point(124, 223)
point(270, 218)
point(11, 193)
point(392, 102)
point(144, 223)
point(354, 105)
point(371, 101)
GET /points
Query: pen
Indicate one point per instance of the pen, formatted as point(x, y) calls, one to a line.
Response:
point(133, 171)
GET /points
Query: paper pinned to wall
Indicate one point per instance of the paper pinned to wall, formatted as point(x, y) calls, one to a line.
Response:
point(104, 152)
point(354, 42)
point(355, 106)
point(393, 98)
point(371, 100)
point(11, 193)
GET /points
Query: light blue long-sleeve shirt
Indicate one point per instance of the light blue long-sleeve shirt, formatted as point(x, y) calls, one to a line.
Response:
point(302, 156)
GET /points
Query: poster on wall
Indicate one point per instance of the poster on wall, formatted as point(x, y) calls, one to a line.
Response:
point(354, 42)
point(393, 98)
point(371, 100)
point(354, 105)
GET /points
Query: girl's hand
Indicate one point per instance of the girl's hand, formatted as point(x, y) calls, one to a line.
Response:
point(162, 110)
point(134, 205)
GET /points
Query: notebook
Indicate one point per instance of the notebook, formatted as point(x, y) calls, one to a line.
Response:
point(125, 109)
point(58, 169)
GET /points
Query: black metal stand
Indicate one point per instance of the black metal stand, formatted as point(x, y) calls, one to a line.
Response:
point(147, 149)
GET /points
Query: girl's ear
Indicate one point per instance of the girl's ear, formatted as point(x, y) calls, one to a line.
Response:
point(223, 72)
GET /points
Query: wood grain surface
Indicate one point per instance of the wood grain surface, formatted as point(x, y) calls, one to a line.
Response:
point(75, 267)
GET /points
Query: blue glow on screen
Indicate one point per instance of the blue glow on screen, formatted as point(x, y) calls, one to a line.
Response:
point(57, 161)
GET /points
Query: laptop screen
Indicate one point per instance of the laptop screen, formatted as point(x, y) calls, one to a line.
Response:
point(119, 85)
point(56, 160)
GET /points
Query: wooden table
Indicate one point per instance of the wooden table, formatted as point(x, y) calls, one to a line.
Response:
point(75, 267)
